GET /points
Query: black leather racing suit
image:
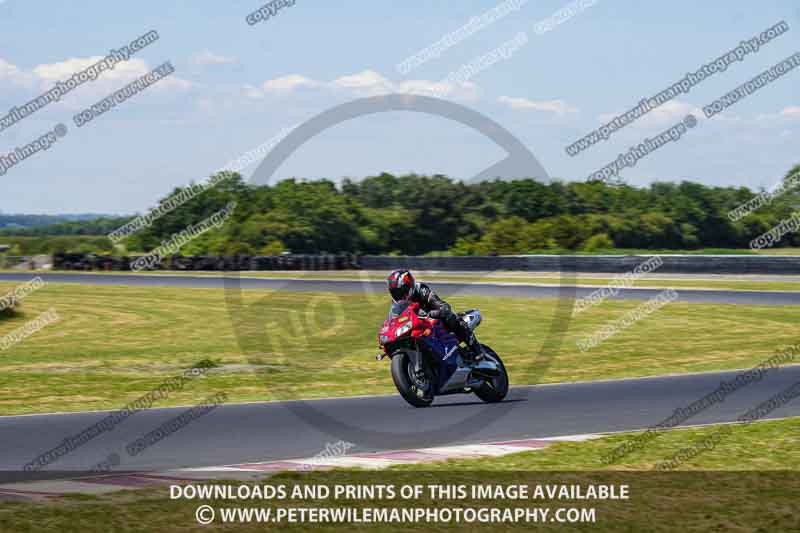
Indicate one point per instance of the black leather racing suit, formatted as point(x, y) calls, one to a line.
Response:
point(438, 308)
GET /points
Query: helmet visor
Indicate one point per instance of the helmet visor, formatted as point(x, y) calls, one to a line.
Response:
point(398, 293)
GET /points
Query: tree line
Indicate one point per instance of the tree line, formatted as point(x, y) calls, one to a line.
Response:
point(417, 214)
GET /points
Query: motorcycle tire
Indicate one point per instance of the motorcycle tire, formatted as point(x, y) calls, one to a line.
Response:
point(402, 374)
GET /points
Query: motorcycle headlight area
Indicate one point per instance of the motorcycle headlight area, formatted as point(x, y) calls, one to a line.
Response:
point(384, 339)
point(402, 330)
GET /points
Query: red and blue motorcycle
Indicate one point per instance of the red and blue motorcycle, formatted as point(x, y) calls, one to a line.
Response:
point(428, 361)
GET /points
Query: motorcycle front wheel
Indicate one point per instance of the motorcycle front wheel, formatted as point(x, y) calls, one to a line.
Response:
point(407, 384)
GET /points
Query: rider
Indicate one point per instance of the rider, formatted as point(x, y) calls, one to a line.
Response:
point(403, 287)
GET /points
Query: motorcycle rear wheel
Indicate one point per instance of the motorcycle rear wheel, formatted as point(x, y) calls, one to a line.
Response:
point(403, 376)
point(495, 390)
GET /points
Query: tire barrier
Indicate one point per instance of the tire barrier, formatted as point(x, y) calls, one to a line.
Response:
point(617, 264)
point(65, 261)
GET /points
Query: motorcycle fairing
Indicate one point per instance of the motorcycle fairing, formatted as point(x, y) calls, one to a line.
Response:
point(444, 346)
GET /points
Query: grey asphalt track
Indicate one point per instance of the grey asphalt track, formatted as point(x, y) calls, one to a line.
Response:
point(444, 288)
point(240, 433)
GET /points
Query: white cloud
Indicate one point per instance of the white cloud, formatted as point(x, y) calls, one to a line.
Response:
point(208, 57)
point(787, 113)
point(365, 83)
point(252, 92)
point(669, 113)
point(43, 77)
point(559, 107)
point(10, 74)
point(462, 90)
point(50, 73)
point(666, 114)
point(125, 71)
point(289, 83)
point(371, 83)
point(284, 84)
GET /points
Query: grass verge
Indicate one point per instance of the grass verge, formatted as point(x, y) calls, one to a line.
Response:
point(114, 344)
point(749, 482)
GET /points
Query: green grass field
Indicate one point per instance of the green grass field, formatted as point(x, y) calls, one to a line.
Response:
point(759, 446)
point(114, 344)
point(740, 485)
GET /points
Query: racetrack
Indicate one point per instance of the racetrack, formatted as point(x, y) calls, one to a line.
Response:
point(240, 433)
point(280, 430)
point(444, 288)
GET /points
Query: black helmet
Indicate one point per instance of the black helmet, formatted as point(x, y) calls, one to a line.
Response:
point(401, 283)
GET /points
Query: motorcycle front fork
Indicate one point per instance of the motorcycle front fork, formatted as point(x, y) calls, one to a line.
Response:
point(416, 358)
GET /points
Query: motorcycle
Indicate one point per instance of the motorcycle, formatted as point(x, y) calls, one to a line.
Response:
point(428, 361)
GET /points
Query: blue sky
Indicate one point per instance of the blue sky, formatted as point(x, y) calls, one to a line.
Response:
point(237, 85)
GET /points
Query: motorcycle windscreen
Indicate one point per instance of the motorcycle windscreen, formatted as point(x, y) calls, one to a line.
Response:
point(397, 308)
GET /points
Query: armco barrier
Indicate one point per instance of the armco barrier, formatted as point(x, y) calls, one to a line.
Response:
point(680, 264)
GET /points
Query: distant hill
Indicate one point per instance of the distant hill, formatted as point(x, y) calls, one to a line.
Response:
point(32, 221)
point(45, 225)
